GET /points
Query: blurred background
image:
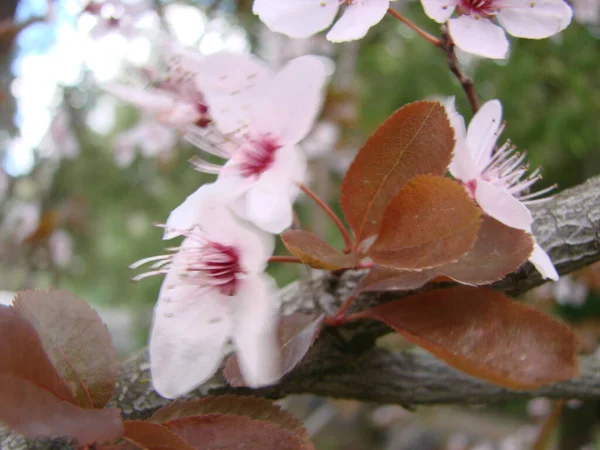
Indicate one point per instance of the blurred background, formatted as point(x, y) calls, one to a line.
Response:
point(84, 177)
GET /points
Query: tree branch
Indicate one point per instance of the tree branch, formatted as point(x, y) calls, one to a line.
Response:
point(464, 80)
point(345, 363)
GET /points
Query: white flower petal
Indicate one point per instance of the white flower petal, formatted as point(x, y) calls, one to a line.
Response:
point(204, 208)
point(535, 20)
point(188, 335)
point(478, 36)
point(356, 20)
point(502, 206)
point(191, 212)
point(269, 202)
point(462, 166)
point(293, 100)
point(296, 18)
point(483, 132)
point(439, 10)
point(231, 85)
point(542, 262)
point(255, 308)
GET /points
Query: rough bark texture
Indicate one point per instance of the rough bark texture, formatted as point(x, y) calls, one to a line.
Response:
point(344, 362)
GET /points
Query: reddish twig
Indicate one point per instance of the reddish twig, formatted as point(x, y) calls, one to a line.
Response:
point(330, 213)
point(464, 80)
point(285, 259)
point(420, 31)
point(550, 423)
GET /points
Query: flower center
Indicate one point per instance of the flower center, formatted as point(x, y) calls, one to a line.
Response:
point(217, 266)
point(483, 8)
point(257, 155)
point(204, 119)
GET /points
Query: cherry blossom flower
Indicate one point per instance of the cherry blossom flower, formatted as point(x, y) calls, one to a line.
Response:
point(474, 30)
point(259, 133)
point(303, 18)
point(176, 99)
point(496, 179)
point(214, 292)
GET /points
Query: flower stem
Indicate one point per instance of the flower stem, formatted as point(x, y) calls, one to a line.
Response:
point(330, 213)
point(550, 423)
point(464, 80)
point(435, 41)
point(285, 259)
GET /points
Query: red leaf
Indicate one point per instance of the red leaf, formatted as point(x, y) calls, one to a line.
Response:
point(316, 253)
point(23, 356)
point(499, 250)
point(76, 341)
point(36, 413)
point(485, 334)
point(251, 407)
point(153, 436)
point(297, 333)
point(417, 139)
point(431, 221)
point(235, 432)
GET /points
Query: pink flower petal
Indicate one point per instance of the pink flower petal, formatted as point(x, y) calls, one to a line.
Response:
point(188, 336)
point(356, 20)
point(542, 262)
point(502, 206)
point(269, 202)
point(270, 211)
point(296, 18)
point(462, 166)
point(292, 101)
point(439, 10)
point(478, 36)
point(255, 310)
point(483, 132)
point(231, 85)
point(535, 20)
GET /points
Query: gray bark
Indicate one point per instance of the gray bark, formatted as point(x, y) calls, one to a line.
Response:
point(345, 362)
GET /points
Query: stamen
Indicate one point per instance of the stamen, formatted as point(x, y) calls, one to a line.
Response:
point(204, 166)
point(200, 262)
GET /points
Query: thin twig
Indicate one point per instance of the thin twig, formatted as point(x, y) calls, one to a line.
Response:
point(330, 213)
point(464, 80)
point(285, 259)
point(543, 438)
point(420, 31)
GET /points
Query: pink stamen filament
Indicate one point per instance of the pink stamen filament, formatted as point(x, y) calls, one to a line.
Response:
point(205, 263)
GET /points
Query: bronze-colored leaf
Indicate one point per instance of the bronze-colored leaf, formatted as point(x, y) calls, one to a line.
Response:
point(316, 253)
point(417, 139)
point(251, 407)
point(297, 333)
point(30, 410)
point(485, 334)
point(430, 222)
point(153, 436)
point(23, 356)
point(235, 432)
point(75, 340)
point(498, 251)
